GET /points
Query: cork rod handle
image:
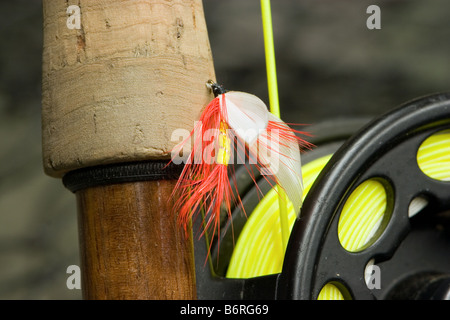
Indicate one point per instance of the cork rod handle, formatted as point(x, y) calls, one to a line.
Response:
point(118, 78)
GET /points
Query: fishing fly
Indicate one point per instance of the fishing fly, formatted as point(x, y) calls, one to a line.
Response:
point(235, 128)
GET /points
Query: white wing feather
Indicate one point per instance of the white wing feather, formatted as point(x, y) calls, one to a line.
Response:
point(284, 162)
point(247, 115)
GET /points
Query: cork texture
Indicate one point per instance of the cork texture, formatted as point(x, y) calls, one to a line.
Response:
point(115, 88)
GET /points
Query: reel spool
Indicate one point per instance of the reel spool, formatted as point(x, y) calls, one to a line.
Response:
point(411, 239)
point(382, 199)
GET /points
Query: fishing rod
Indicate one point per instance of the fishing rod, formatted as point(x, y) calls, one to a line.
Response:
point(114, 90)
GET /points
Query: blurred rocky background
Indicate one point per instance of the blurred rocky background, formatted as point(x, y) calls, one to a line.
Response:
point(330, 66)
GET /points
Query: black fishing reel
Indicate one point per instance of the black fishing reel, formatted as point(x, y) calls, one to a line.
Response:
point(405, 156)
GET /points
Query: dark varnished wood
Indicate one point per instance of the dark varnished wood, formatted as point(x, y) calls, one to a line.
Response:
point(131, 246)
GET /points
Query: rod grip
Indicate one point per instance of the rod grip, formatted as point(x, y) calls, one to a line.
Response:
point(118, 78)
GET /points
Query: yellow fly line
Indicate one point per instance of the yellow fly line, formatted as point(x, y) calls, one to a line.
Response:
point(269, 48)
point(258, 250)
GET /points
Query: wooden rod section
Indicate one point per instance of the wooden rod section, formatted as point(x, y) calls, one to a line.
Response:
point(131, 246)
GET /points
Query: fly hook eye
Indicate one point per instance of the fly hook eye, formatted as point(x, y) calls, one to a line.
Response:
point(216, 88)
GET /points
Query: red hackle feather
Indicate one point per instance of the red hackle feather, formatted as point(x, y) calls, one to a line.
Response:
point(204, 182)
